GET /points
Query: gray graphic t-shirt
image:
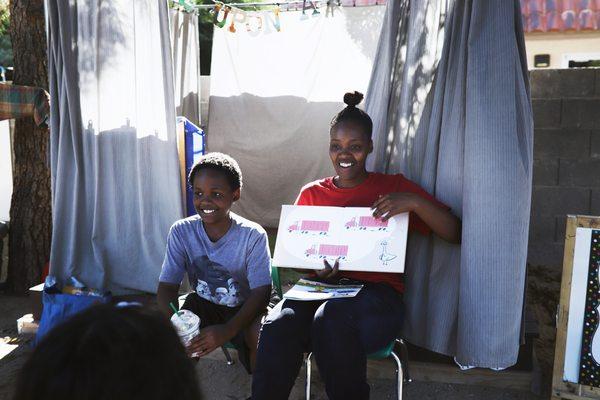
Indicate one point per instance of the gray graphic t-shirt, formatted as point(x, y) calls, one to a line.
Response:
point(224, 271)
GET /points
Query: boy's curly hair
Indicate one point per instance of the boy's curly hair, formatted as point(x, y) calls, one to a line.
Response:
point(219, 162)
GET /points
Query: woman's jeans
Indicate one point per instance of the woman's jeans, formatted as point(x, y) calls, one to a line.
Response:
point(339, 332)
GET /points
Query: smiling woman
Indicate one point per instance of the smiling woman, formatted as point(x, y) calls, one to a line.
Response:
point(350, 143)
point(373, 318)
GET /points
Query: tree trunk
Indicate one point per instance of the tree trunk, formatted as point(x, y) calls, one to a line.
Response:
point(30, 212)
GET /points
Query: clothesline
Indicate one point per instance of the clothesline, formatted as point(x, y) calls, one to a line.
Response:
point(297, 3)
point(259, 4)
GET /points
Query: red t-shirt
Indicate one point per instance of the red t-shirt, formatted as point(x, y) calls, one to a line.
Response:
point(324, 193)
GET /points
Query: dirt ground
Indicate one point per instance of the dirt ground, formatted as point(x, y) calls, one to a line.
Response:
point(221, 381)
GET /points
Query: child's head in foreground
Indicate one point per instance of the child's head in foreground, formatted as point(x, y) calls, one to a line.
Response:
point(109, 353)
point(350, 141)
point(216, 181)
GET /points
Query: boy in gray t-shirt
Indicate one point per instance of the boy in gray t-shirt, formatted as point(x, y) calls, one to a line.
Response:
point(226, 258)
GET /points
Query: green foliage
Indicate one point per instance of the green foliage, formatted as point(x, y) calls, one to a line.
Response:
point(205, 28)
point(6, 56)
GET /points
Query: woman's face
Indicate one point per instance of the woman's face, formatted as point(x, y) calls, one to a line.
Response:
point(349, 147)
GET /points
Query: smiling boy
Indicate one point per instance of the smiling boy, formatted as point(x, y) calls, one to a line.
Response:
point(226, 258)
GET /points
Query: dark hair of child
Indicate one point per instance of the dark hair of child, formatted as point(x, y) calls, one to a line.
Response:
point(353, 115)
point(219, 162)
point(109, 353)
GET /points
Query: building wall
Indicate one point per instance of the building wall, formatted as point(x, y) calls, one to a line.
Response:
point(566, 171)
point(560, 44)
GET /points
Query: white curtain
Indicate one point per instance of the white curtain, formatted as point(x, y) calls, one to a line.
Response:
point(273, 95)
point(115, 175)
point(185, 45)
point(459, 123)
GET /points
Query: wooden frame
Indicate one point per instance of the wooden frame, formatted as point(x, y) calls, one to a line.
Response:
point(560, 388)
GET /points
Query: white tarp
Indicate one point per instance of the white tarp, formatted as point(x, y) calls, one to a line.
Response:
point(273, 95)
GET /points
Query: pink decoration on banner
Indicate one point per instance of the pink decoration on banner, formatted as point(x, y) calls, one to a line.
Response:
point(381, 2)
point(361, 3)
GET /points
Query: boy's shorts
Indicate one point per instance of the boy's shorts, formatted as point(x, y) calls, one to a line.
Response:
point(215, 314)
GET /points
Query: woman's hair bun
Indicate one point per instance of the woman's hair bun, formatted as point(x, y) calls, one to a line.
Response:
point(353, 99)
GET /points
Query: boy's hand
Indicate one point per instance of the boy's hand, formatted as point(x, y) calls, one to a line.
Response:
point(328, 272)
point(209, 339)
point(393, 204)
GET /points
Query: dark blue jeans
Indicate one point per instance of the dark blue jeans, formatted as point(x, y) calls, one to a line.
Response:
point(339, 332)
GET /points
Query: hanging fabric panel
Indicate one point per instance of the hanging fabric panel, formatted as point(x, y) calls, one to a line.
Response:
point(465, 134)
point(185, 46)
point(115, 175)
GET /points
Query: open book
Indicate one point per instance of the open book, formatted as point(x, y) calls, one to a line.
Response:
point(307, 290)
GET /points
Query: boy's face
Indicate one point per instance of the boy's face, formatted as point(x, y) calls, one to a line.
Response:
point(349, 147)
point(213, 195)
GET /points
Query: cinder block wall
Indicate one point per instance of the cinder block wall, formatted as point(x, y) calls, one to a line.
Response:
point(566, 152)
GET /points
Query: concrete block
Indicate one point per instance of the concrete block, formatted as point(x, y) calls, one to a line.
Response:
point(585, 173)
point(595, 207)
point(545, 172)
point(557, 201)
point(580, 113)
point(546, 113)
point(544, 83)
point(542, 228)
point(576, 82)
point(544, 253)
point(561, 143)
point(560, 228)
point(561, 83)
point(595, 144)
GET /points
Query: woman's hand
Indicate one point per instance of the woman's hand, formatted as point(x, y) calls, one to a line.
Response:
point(329, 272)
point(395, 203)
point(209, 339)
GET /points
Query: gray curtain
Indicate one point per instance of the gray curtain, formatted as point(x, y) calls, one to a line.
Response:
point(458, 122)
point(185, 46)
point(114, 165)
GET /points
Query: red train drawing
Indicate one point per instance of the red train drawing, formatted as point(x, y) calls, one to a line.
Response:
point(367, 223)
point(327, 251)
point(310, 227)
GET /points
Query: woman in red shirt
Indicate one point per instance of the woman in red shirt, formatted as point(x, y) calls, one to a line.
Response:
point(341, 332)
